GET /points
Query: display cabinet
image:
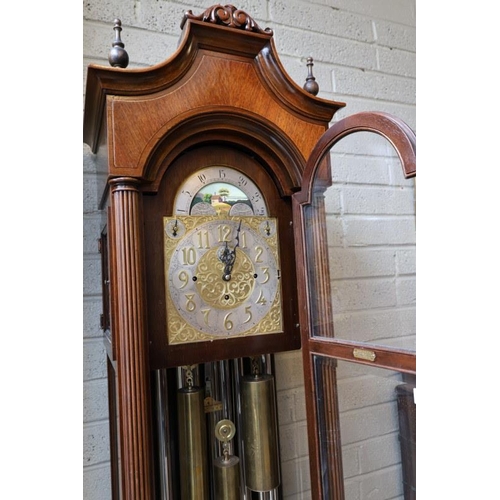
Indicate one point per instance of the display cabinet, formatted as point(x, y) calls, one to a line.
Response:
point(214, 165)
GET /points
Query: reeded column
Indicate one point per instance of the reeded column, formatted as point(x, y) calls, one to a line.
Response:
point(130, 334)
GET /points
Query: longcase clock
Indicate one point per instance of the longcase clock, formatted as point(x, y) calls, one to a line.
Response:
point(206, 180)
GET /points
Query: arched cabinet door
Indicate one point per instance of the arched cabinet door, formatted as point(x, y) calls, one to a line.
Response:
point(384, 368)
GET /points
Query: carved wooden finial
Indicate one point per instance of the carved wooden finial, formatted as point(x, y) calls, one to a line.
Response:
point(118, 57)
point(311, 84)
point(227, 15)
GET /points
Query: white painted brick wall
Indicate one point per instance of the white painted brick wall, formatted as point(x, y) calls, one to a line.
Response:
point(377, 325)
point(372, 257)
point(364, 55)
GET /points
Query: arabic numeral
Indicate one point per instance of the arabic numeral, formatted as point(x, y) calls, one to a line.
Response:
point(256, 197)
point(228, 324)
point(203, 241)
point(189, 256)
point(248, 310)
point(224, 233)
point(258, 254)
point(205, 313)
point(190, 304)
point(243, 242)
point(261, 300)
point(265, 271)
point(183, 278)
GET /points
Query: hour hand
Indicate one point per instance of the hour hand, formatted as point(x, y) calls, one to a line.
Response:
point(227, 256)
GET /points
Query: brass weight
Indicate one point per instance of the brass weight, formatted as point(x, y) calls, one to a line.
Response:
point(192, 444)
point(260, 433)
point(227, 478)
point(226, 467)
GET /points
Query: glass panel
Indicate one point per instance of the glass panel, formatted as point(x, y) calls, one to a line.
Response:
point(369, 422)
point(294, 452)
point(360, 236)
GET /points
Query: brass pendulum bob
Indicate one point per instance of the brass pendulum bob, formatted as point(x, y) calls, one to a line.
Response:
point(260, 439)
point(192, 441)
point(226, 467)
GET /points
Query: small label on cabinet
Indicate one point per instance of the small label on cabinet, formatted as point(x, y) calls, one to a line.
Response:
point(365, 354)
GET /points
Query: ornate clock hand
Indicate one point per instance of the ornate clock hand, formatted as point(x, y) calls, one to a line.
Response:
point(237, 237)
point(229, 267)
point(228, 256)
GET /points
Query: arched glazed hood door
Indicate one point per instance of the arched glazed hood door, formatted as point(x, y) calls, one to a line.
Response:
point(322, 350)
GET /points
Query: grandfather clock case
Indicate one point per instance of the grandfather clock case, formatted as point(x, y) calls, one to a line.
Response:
point(213, 164)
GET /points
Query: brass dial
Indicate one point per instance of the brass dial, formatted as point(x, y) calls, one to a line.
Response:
point(222, 266)
point(222, 276)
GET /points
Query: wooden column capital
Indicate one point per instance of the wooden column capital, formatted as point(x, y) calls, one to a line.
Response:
point(124, 184)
